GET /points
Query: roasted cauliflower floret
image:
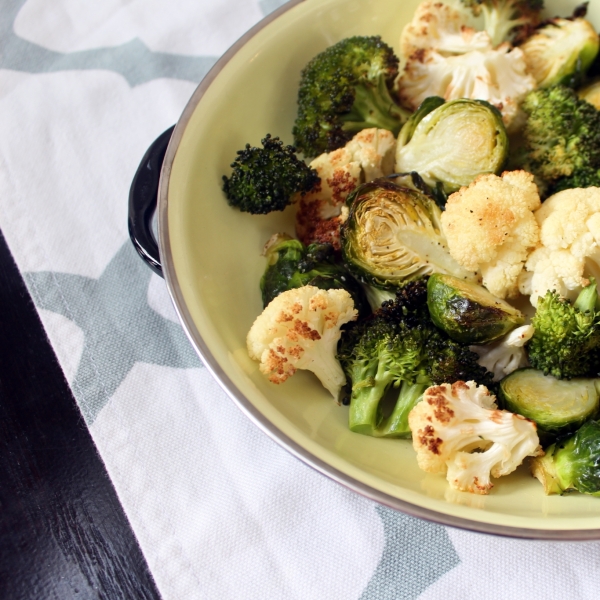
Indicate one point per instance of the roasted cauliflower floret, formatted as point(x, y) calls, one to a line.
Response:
point(441, 27)
point(367, 156)
point(490, 227)
point(457, 429)
point(300, 329)
point(569, 251)
point(507, 354)
point(498, 76)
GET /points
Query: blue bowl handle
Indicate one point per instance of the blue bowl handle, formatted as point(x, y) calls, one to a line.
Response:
point(143, 197)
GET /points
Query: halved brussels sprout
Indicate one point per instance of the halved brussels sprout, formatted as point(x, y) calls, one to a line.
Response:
point(392, 235)
point(558, 406)
point(467, 312)
point(428, 105)
point(453, 143)
point(572, 464)
point(560, 52)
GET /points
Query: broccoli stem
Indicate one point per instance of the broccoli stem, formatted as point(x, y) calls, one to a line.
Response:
point(374, 107)
point(365, 407)
point(396, 425)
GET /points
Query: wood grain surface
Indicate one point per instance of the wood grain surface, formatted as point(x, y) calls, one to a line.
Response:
point(63, 533)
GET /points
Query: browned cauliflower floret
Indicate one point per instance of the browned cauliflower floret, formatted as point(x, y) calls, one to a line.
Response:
point(507, 354)
point(490, 227)
point(367, 156)
point(458, 430)
point(498, 76)
point(442, 28)
point(569, 249)
point(300, 329)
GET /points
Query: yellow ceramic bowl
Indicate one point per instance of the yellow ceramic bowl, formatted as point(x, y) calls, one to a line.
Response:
point(211, 260)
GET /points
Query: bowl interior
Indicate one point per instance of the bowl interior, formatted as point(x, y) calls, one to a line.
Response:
point(211, 256)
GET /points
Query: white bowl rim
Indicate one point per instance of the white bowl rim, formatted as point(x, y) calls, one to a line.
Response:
point(238, 396)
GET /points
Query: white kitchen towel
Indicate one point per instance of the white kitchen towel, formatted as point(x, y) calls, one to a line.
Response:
point(219, 509)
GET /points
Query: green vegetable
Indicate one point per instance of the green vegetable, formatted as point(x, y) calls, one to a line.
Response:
point(557, 406)
point(391, 357)
point(290, 265)
point(451, 143)
point(393, 235)
point(566, 340)
point(507, 20)
point(467, 312)
point(268, 178)
point(562, 138)
point(561, 51)
point(344, 89)
point(572, 464)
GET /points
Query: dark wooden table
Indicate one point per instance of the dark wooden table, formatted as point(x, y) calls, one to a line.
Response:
point(63, 533)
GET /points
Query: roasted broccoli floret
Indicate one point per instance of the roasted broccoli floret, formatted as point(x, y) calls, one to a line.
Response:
point(291, 264)
point(344, 89)
point(268, 178)
point(582, 178)
point(398, 350)
point(562, 137)
point(566, 340)
point(507, 20)
point(572, 464)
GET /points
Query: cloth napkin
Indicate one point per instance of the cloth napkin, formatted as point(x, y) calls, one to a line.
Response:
point(220, 510)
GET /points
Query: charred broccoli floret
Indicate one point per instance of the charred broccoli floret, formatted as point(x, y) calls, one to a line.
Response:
point(291, 264)
point(566, 340)
point(581, 178)
point(562, 138)
point(268, 178)
point(398, 350)
point(344, 89)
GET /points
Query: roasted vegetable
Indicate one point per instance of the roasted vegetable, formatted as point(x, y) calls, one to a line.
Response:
point(557, 406)
point(344, 89)
point(453, 142)
point(561, 51)
point(562, 138)
point(507, 20)
point(399, 351)
point(290, 265)
point(392, 235)
point(506, 354)
point(566, 340)
point(458, 430)
point(572, 464)
point(467, 312)
point(490, 227)
point(300, 329)
point(566, 256)
point(268, 178)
